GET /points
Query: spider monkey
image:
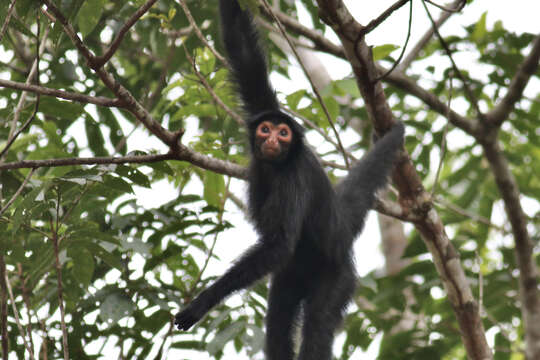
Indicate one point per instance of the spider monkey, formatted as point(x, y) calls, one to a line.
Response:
point(306, 226)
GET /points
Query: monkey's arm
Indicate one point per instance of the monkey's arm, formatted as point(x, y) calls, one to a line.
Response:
point(246, 58)
point(357, 191)
point(257, 262)
point(273, 251)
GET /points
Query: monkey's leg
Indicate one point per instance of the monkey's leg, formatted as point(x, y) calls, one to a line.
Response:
point(283, 307)
point(323, 313)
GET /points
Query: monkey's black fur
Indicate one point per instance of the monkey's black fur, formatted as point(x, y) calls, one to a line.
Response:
point(306, 226)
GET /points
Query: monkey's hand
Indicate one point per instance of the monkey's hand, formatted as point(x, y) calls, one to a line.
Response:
point(190, 315)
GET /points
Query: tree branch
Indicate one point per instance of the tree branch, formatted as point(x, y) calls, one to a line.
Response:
point(199, 33)
point(405, 83)
point(321, 43)
point(385, 15)
point(7, 19)
point(182, 153)
point(85, 99)
point(467, 89)
point(528, 270)
point(211, 91)
point(131, 104)
point(18, 192)
point(412, 192)
point(17, 318)
point(424, 40)
point(515, 90)
point(101, 60)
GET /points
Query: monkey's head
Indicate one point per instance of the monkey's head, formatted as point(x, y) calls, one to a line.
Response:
point(274, 136)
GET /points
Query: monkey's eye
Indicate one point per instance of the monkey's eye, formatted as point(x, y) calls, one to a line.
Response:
point(284, 132)
point(265, 129)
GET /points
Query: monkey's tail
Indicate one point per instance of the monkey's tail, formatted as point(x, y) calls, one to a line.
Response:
point(246, 58)
point(357, 191)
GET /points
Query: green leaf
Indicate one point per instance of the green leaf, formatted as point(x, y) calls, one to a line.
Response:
point(349, 86)
point(206, 60)
point(60, 108)
point(83, 265)
point(118, 184)
point(294, 98)
point(89, 15)
point(223, 337)
point(214, 188)
point(115, 307)
point(333, 107)
point(134, 175)
point(94, 136)
point(382, 51)
point(480, 30)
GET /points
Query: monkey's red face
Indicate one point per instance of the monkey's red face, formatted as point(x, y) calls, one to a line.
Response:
point(273, 140)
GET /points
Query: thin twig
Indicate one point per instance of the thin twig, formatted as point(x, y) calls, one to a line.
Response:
point(85, 99)
point(211, 250)
point(199, 32)
point(445, 132)
point(132, 159)
point(7, 19)
point(386, 14)
point(3, 307)
point(26, 300)
point(59, 279)
point(17, 319)
point(211, 91)
point(18, 192)
point(468, 91)
point(474, 217)
point(446, 8)
point(396, 63)
point(457, 5)
point(101, 60)
point(22, 99)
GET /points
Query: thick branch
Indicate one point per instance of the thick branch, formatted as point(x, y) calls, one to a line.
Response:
point(515, 91)
point(85, 99)
point(528, 271)
point(131, 104)
point(183, 153)
point(445, 257)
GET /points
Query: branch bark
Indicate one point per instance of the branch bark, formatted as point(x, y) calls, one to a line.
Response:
point(182, 153)
point(85, 99)
point(430, 226)
point(528, 270)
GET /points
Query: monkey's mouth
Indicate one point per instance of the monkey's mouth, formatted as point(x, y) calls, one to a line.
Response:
point(271, 150)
